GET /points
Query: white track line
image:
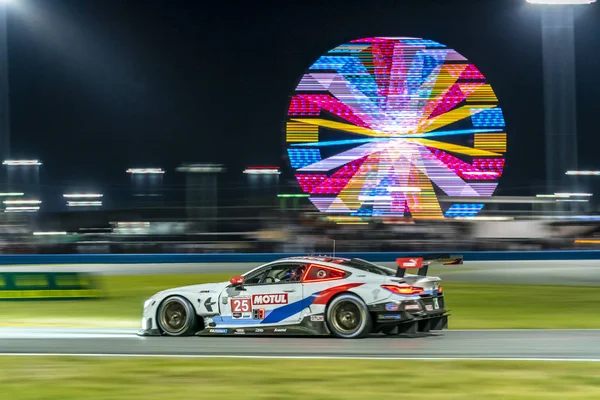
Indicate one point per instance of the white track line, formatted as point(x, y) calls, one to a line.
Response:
point(525, 330)
point(66, 335)
point(99, 355)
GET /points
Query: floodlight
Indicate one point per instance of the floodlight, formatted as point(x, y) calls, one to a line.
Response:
point(21, 209)
point(22, 202)
point(145, 171)
point(262, 170)
point(201, 168)
point(583, 173)
point(84, 203)
point(22, 162)
point(573, 194)
point(82, 195)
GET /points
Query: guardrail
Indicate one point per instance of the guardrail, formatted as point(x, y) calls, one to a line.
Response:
point(35, 259)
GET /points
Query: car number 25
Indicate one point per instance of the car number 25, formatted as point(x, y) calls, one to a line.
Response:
point(240, 305)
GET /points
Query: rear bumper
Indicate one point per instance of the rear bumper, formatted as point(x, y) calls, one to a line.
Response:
point(431, 315)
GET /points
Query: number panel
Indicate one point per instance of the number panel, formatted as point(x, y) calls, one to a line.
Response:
point(241, 304)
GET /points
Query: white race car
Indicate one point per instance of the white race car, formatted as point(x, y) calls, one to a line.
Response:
point(347, 298)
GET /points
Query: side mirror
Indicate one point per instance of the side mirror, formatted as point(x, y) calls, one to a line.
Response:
point(237, 281)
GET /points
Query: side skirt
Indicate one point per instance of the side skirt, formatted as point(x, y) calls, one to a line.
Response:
point(313, 325)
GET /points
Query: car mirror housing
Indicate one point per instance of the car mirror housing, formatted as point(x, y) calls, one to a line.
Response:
point(237, 281)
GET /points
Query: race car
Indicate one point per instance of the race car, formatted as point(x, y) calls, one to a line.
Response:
point(311, 295)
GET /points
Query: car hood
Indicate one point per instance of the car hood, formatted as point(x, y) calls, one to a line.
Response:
point(195, 289)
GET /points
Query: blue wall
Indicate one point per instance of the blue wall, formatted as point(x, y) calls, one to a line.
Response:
point(24, 259)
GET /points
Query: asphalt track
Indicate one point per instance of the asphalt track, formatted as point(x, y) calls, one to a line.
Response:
point(549, 345)
point(575, 273)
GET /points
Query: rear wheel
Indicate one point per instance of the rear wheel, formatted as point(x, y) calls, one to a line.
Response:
point(348, 317)
point(176, 317)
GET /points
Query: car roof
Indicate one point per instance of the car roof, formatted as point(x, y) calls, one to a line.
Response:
point(329, 261)
point(325, 259)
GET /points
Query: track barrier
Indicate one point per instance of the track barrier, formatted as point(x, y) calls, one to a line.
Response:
point(36, 259)
point(48, 286)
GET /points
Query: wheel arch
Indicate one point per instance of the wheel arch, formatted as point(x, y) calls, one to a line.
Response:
point(341, 294)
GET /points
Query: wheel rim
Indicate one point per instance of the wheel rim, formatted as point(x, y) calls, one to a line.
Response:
point(347, 317)
point(173, 317)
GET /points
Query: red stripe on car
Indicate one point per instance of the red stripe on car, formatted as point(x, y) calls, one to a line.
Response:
point(327, 294)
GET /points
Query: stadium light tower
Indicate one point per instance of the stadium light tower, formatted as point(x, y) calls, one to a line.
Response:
point(201, 193)
point(558, 47)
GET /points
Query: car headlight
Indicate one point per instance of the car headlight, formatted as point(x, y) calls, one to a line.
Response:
point(147, 302)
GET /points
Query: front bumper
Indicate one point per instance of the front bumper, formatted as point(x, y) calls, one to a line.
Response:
point(148, 327)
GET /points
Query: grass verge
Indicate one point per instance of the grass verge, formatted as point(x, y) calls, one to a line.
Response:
point(24, 378)
point(473, 306)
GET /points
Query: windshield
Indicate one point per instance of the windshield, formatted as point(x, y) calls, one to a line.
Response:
point(368, 266)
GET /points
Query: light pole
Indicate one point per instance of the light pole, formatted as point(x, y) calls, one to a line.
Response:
point(4, 87)
point(558, 47)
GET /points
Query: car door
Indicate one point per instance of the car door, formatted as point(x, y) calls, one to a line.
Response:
point(273, 295)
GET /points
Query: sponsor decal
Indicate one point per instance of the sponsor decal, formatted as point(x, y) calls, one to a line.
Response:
point(412, 307)
point(267, 299)
point(391, 307)
point(409, 262)
point(218, 331)
point(259, 330)
point(280, 330)
point(241, 304)
point(208, 304)
point(239, 332)
point(205, 291)
point(428, 307)
point(236, 315)
point(224, 300)
point(259, 313)
point(317, 318)
point(389, 316)
point(246, 315)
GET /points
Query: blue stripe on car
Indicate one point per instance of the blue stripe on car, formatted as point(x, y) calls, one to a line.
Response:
point(281, 313)
point(229, 320)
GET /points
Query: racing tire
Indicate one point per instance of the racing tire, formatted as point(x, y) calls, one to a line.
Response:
point(176, 317)
point(348, 317)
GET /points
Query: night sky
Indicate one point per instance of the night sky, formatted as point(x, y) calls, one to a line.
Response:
point(97, 86)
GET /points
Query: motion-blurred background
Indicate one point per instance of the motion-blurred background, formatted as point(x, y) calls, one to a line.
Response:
point(150, 129)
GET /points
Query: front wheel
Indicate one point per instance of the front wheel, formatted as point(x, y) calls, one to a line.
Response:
point(348, 317)
point(176, 317)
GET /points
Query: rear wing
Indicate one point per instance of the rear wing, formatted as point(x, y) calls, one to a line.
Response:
point(422, 263)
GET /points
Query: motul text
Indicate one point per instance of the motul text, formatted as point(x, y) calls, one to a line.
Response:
point(264, 299)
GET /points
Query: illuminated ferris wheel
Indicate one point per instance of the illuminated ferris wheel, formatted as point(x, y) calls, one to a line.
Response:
point(385, 126)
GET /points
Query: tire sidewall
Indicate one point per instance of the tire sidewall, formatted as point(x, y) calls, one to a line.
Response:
point(365, 326)
point(190, 321)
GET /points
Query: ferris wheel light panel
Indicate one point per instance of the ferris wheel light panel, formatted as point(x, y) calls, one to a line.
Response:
point(384, 126)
